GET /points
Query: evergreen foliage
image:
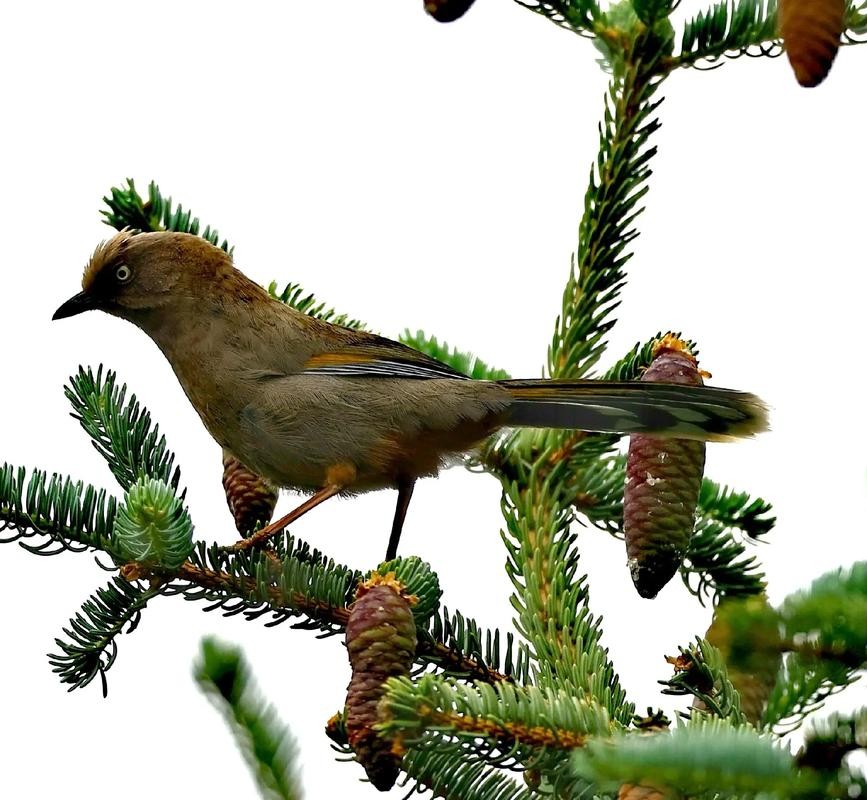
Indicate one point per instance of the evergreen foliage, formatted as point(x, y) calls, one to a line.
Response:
point(224, 676)
point(91, 647)
point(548, 701)
point(126, 208)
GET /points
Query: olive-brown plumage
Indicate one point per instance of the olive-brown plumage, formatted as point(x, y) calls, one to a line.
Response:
point(321, 408)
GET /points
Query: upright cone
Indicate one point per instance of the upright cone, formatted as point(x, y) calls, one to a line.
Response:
point(381, 640)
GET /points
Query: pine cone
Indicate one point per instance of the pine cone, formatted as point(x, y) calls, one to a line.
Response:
point(251, 499)
point(447, 10)
point(663, 479)
point(811, 31)
point(381, 640)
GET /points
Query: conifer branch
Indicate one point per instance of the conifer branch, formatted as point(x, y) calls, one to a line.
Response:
point(729, 28)
point(59, 514)
point(507, 715)
point(828, 618)
point(448, 771)
point(294, 296)
point(538, 468)
point(121, 430)
point(464, 362)
point(551, 597)
point(824, 627)
point(802, 687)
point(855, 22)
point(126, 208)
point(707, 755)
point(579, 16)
point(701, 672)
point(91, 649)
point(617, 185)
point(267, 745)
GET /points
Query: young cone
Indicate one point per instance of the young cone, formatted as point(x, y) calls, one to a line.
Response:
point(251, 498)
point(663, 479)
point(381, 640)
point(811, 31)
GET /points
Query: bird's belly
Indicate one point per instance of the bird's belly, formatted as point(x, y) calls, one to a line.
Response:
point(300, 435)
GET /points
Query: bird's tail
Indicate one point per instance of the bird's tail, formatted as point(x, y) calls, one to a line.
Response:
point(661, 409)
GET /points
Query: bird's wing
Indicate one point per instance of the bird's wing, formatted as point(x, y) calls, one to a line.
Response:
point(364, 354)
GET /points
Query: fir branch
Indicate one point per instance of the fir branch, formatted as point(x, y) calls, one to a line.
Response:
point(121, 430)
point(91, 648)
point(700, 671)
point(824, 626)
point(828, 619)
point(305, 585)
point(708, 755)
point(449, 772)
point(618, 182)
point(715, 564)
point(267, 745)
point(461, 648)
point(551, 597)
point(125, 208)
point(855, 22)
point(729, 28)
point(802, 687)
point(734, 509)
point(732, 28)
point(578, 16)
point(506, 716)
point(295, 297)
point(463, 362)
point(60, 514)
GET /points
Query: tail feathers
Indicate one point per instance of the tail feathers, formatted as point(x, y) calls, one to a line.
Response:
point(662, 409)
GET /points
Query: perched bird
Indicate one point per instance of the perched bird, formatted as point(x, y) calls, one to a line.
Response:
point(321, 408)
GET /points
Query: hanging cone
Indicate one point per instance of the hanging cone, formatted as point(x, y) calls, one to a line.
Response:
point(663, 479)
point(811, 31)
point(381, 640)
point(251, 499)
point(447, 10)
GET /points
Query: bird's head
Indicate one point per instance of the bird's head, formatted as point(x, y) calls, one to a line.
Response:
point(134, 274)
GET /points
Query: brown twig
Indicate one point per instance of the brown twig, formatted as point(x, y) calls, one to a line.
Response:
point(247, 588)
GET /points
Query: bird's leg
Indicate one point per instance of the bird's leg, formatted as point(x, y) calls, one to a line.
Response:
point(404, 495)
point(262, 536)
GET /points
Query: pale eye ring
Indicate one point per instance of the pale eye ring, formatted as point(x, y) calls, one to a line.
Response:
point(123, 273)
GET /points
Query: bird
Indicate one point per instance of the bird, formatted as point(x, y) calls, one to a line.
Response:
point(327, 410)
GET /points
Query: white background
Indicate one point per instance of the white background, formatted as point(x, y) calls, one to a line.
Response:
point(416, 175)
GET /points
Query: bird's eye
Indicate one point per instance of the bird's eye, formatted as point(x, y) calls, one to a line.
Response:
point(123, 273)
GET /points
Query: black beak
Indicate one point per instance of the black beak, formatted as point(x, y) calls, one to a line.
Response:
point(76, 305)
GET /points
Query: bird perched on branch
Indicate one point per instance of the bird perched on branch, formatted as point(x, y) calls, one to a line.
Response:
point(325, 409)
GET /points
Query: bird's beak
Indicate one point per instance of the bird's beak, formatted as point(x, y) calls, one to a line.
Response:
point(76, 305)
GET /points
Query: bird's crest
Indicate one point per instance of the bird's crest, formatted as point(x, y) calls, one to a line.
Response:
point(107, 252)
